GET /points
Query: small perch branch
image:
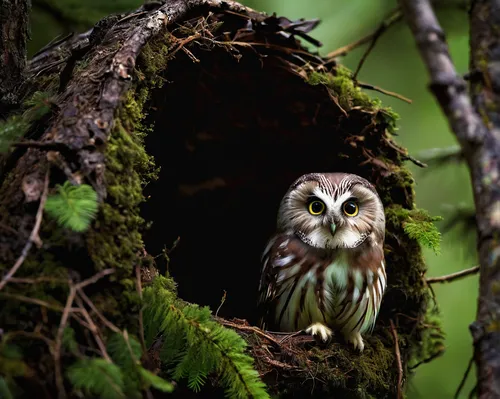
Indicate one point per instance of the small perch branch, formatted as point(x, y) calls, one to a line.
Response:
point(398, 359)
point(383, 91)
point(33, 238)
point(464, 378)
point(394, 17)
point(480, 147)
point(453, 276)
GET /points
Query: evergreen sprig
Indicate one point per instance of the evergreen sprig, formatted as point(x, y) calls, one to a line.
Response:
point(195, 345)
point(73, 207)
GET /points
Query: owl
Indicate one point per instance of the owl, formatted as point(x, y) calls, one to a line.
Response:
point(323, 269)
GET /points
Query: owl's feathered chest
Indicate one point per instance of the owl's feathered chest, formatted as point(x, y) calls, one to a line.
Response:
point(301, 285)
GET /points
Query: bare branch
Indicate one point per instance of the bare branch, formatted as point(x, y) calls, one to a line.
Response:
point(398, 359)
point(394, 16)
point(480, 146)
point(57, 349)
point(454, 276)
point(33, 238)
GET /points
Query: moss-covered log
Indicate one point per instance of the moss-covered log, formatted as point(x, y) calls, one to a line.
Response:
point(190, 119)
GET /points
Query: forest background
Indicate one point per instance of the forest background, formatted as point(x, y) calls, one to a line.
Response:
point(394, 65)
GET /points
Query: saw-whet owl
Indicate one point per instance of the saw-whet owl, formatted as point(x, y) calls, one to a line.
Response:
point(323, 269)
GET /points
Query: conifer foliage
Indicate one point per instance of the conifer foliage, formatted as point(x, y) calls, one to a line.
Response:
point(73, 207)
point(194, 345)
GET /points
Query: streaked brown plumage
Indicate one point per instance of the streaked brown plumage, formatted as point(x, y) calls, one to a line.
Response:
point(324, 267)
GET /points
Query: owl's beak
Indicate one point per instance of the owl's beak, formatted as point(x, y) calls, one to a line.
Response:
point(333, 227)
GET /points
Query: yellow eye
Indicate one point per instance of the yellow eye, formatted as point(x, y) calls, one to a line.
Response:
point(316, 207)
point(350, 208)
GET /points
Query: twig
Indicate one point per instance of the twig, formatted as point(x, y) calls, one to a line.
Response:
point(453, 276)
point(464, 378)
point(37, 280)
point(94, 278)
point(61, 391)
point(427, 359)
point(394, 17)
point(91, 305)
point(33, 238)
point(94, 329)
point(383, 91)
point(255, 330)
point(398, 358)
point(223, 299)
point(138, 285)
point(33, 301)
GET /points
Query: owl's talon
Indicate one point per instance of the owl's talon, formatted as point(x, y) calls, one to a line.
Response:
point(318, 330)
point(356, 340)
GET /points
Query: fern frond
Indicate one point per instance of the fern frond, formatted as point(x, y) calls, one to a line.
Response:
point(11, 130)
point(200, 345)
point(98, 377)
point(73, 207)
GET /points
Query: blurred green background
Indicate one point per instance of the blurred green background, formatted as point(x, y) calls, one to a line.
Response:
point(393, 65)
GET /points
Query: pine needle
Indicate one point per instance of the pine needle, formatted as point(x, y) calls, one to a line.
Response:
point(74, 207)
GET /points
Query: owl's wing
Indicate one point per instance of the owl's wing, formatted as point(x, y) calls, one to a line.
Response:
point(285, 260)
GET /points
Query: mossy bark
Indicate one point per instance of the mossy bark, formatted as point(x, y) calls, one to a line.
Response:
point(261, 111)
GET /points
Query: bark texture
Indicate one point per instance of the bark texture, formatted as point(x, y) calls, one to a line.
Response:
point(475, 121)
point(262, 111)
point(14, 24)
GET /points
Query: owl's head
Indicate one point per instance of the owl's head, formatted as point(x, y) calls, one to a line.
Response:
point(332, 210)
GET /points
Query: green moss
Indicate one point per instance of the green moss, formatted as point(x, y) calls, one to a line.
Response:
point(349, 95)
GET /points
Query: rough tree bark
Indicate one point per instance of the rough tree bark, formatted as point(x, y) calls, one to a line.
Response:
point(14, 22)
point(475, 119)
point(256, 99)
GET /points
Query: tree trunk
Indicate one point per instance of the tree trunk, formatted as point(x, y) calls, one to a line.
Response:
point(231, 108)
point(14, 20)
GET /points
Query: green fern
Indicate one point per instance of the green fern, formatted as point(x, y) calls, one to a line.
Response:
point(73, 207)
point(97, 377)
point(196, 346)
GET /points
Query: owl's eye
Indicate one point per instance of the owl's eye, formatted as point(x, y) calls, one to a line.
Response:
point(350, 208)
point(316, 207)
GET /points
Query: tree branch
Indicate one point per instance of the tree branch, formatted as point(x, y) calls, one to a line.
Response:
point(14, 32)
point(453, 276)
point(480, 148)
